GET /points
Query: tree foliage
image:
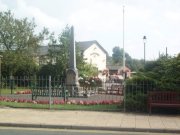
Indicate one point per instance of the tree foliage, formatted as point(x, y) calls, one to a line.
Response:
point(88, 70)
point(117, 55)
point(18, 42)
point(59, 50)
point(166, 71)
point(117, 58)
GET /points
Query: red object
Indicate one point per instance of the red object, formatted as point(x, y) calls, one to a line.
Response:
point(163, 99)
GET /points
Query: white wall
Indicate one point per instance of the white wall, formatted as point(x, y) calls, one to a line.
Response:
point(95, 56)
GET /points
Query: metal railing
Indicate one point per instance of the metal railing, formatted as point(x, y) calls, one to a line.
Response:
point(52, 91)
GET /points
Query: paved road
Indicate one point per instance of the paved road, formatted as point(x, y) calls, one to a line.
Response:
point(37, 131)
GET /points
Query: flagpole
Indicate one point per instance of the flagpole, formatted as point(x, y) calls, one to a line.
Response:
point(123, 47)
point(124, 65)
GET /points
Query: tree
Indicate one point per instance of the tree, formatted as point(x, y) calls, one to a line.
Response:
point(18, 42)
point(117, 55)
point(88, 70)
point(59, 50)
point(165, 71)
point(117, 58)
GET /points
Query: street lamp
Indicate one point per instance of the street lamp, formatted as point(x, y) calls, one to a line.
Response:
point(144, 40)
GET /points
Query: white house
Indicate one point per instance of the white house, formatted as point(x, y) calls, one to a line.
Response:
point(93, 53)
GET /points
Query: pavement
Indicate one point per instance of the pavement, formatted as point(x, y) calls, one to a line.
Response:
point(89, 120)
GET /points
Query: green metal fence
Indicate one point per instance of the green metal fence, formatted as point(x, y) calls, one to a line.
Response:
point(52, 92)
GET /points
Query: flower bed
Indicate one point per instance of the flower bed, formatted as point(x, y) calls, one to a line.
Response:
point(90, 82)
point(56, 101)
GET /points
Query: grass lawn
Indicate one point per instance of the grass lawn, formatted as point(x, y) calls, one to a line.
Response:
point(113, 107)
point(8, 91)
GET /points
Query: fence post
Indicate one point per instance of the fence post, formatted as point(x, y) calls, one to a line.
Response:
point(64, 93)
point(11, 84)
point(124, 86)
point(50, 92)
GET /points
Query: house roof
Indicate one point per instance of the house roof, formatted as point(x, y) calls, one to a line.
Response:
point(126, 69)
point(115, 67)
point(43, 50)
point(83, 45)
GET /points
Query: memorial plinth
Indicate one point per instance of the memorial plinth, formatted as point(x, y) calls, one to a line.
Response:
point(72, 83)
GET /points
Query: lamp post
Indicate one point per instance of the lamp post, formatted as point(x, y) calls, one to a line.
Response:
point(0, 74)
point(144, 41)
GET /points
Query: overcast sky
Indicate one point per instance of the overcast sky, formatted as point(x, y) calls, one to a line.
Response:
point(101, 20)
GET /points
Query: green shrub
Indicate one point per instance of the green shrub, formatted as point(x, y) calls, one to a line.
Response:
point(136, 102)
point(136, 93)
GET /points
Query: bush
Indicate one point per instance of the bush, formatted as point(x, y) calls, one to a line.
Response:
point(136, 102)
point(136, 93)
